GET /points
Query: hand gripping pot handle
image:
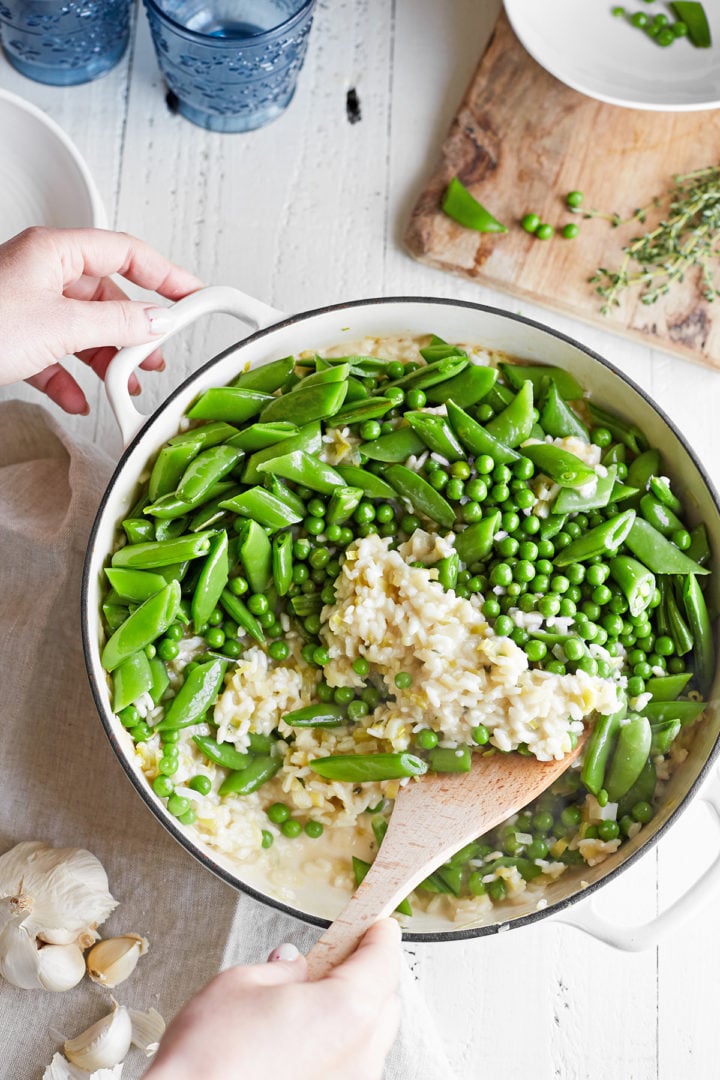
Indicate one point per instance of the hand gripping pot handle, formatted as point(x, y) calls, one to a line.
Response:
point(214, 299)
point(703, 892)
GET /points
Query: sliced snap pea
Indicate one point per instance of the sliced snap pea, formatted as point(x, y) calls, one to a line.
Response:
point(327, 373)
point(263, 507)
point(642, 468)
point(657, 553)
point(224, 754)
point(664, 735)
point(614, 455)
point(604, 539)
point(424, 498)
point(249, 779)
point(459, 204)
point(567, 384)
point(303, 469)
point(170, 528)
point(279, 488)
point(171, 507)
point(364, 768)
point(282, 562)
point(360, 870)
point(621, 430)
point(552, 525)
point(643, 790)
point(143, 626)
point(660, 487)
point(114, 614)
point(395, 447)
point(306, 604)
point(598, 749)
point(450, 759)
point(138, 531)
point(448, 569)
point(342, 503)
point(245, 619)
point(621, 492)
point(439, 349)
point(658, 712)
point(667, 687)
point(699, 550)
point(267, 378)
point(466, 389)
point(261, 744)
point(259, 436)
point(131, 679)
point(357, 412)
point(157, 553)
point(432, 374)
point(698, 618)
point(513, 425)
point(160, 679)
point(255, 553)
point(437, 434)
point(475, 542)
point(212, 512)
point(356, 391)
point(573, 501)
point(170, 464)
point(631, 753)
point(206, 469)
point(302, 406)
point(206, 435)
point(317, 716)
point(560, 465)
point(372, 486)
point(229, 403)
point(557, 418)
point(635, 580)
point(212, 579)
point(475, 438)
point(198, 692)
point(134, 585)
point(659, 515)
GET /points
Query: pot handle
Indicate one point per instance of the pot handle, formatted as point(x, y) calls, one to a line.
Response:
point(703, 892)
point(213, 299)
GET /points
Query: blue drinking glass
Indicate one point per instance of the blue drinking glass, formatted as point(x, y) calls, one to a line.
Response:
point(64, 42)
point(232, 64)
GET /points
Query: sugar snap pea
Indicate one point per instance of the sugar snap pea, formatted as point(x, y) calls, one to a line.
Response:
point(143, 626)
point(476, 439)
point(475, 542)
point(373, 486)
point(643, 790)
point(342, 503)
point(198, 692)
point(667, 687)
point(303, 469)
point(212, 579)
point(255, 553)
point(432, 374)
point(306, 604)
point(657, 553)
point(437, 434)
point(466, 389)
point(513, 425)
point(148, 556)
point(658, 712)
point(635, 580)
point(229, 403)
point(664, 735)
point(283, 491)
point(699, 550)
point(134, 585)
point(138, 531)
point(557, 418)
point(172, 507)
point(450, 759)
point(660, 516)
point(631, 753)
point(517, 374)
point(259, 436)
point(642, 468)
point(267, 378)
point(179, 451)
point(439, 349)
point(327, 373)
point(282, 562)
point(114, 614)
point(574, 501)
point(131, 679)
point(448, 569)
point(170, 528)
point(206, 469)
point(249, 779)
point(560, 465)
point(360, 870)
point(262, 506)
point(160, 679)
point(622, 430)
point(245, 619)
point(364, 768)
point(224, 754)
point(698, 618)
point(316, 716)
point(424, 498)
point(397, 446)
point(604, 539)
point(598, 749)
point(357, 412)
point(660, 487)
point(304, 406)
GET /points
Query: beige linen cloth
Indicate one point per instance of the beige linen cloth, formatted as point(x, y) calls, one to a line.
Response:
point(60, 781)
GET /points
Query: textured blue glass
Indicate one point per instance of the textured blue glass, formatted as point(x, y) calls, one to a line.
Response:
point(64, 43)
point(233, 66)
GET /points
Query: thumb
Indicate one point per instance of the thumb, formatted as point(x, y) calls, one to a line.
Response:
point(90, 324)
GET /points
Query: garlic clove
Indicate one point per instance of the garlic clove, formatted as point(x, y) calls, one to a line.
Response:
point(148, 1029)
point(19, 962)
point(63, 890)
point(61, 1069)
point(60, 966)
point(111, 961)
point(104, 1044)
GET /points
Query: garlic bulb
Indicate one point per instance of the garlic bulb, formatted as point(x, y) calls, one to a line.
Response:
point(110, 962)
point(147, 1030)
point(61, 1069)
point(63, 892)
point(104, 1044)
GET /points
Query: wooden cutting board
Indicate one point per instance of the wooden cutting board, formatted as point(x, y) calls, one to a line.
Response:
point(520, 142)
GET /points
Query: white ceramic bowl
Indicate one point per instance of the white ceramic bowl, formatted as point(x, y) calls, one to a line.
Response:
point(43, 178)
point(278, 335)
point(581, 43)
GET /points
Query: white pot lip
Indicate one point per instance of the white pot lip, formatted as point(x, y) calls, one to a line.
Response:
point(168, 821)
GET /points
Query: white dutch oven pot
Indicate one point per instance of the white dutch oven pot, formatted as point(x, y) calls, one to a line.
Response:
point(275, 335)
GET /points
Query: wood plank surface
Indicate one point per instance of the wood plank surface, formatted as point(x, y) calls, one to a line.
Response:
point(520, 141)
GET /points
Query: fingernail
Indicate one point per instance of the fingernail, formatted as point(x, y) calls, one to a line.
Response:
point(286, 951)
point(159, 318)
point(135, 390)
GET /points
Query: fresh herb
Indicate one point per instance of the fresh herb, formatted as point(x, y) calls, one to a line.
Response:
point(464, 208)
point(687, 237)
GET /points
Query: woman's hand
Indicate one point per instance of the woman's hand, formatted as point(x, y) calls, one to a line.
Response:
point(57, 298)
point(266, 1022)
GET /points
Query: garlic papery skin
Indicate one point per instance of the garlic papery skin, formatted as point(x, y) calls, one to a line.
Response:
point(60, 967)
point(104, 1044)
point(110, 962)
point(148, 1029)
point(61, 1069)
point(19, 957)
point(63, 891)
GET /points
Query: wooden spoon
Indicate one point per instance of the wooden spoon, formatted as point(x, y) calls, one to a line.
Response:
point(433, 817)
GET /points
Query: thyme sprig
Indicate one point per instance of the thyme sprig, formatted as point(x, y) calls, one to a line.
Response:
point(687, 236)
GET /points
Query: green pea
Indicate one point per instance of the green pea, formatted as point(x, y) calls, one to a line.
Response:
point(178, 805)
point(497, 889)
point(642, 812)
point(608, 830)
point(403, 680)
point(279, 650)
point(480, 734)
point(570, 231)
point(426, 739)
point(163, 786)
point(536, 651)
point(291, 828)
point(357, 709)
point(200, 783)
point(343, 695)
point(267, 839)
point(314, 829)
point(167, 649)
point(278, 813)
point(504, 626)
point(530, 223)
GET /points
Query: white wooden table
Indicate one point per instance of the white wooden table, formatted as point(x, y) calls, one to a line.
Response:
point(310, 211)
